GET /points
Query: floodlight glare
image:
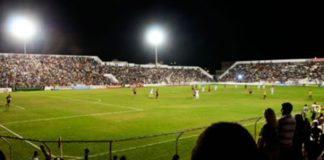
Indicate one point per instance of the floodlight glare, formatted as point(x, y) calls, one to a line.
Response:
point(155, 36)
point(240, 77)
point(22, 27)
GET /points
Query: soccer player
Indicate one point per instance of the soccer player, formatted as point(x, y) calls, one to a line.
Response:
point(209, 88)
point(151, 92)
point(310, 94)
point(157, 93)
point(305, 110)
point(197, 94)
point(313, 110)
point(264, 94)
point(272, 90)
point(8, 98)
point(134, 91)
point(215, 87)
point(250, 91)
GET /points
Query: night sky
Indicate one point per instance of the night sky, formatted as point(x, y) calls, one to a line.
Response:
point(202, 33)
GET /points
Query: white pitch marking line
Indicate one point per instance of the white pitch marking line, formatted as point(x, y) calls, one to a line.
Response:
point(69, 117)
point(20, 107)
point(19, 136)
point(94, 102)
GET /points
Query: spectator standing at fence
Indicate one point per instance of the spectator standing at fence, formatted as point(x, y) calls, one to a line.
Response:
point(225, 140)
point(299, 137)
point(314, 144)
point(268, 142)
point(35, 155)
point(286, 128)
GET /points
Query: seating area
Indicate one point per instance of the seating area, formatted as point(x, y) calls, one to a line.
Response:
point(19, 70)
point(144, 75)
point(276, 71)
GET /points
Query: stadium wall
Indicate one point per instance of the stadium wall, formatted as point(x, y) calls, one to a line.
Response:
point(5, 90)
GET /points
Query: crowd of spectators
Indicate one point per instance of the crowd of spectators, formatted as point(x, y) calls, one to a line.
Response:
point(289, 138)
point(17, 70)
point(145, 75)
point(272, 72)
point(40, 71)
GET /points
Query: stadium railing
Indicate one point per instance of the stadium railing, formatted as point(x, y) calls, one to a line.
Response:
point(252, 124)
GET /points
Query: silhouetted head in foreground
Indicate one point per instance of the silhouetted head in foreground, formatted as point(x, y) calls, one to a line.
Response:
point(286, 108)
point(224, 140)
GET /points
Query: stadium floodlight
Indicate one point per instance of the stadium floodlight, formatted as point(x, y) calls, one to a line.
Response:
point(240, 77)
point(22, 27)
point(156, 37)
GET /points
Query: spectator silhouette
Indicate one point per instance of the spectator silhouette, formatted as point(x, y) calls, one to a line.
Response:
point(176, 157)
point(35, 155)
point(122, 158)
point(2, 156)
point(314, 145)
point(286, 128)
point(225, 140)
point(86, 153)
point(299, 137)
point(268, 143)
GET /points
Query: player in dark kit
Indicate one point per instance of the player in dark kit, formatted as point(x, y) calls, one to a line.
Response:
point(8, 98)
point(250, 91)
point(264, 94)
point(157, 93)
point(134, 91)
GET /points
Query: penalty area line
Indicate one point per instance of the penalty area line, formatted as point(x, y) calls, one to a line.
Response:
point(93, 102)
point(70, 117)
point(20, 107)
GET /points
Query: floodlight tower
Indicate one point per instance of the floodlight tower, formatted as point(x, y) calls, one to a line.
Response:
point(22, 27)
point(155, 36)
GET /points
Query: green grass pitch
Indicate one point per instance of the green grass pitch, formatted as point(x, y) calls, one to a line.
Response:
point(116, 114)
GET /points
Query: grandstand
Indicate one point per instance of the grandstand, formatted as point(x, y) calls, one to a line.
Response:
point(33, 70)
point(287, 71)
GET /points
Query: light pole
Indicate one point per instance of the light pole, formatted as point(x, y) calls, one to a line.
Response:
point(155, 36)
point(156, 57)
point(22, 27)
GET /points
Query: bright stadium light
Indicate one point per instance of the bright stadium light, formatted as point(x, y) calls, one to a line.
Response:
point(240, 77)
point(156, 37)
point(22, 27)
